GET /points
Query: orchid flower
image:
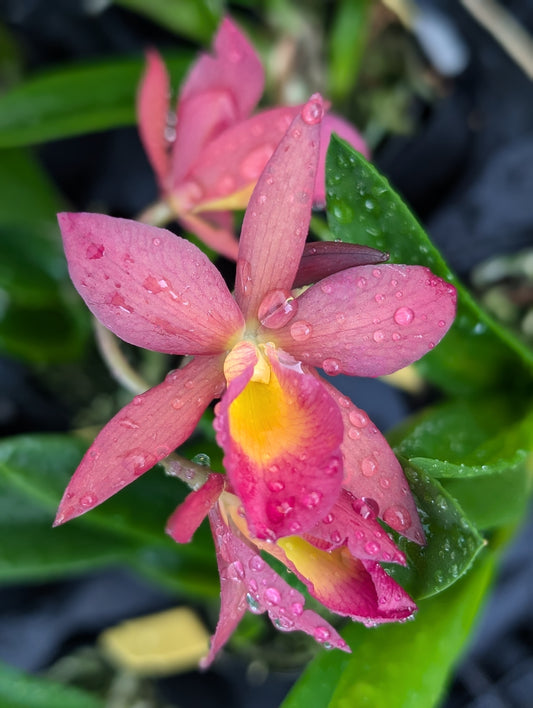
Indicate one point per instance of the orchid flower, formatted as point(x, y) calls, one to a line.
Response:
point(338, 562)
point(209, 163)
point(292, 443)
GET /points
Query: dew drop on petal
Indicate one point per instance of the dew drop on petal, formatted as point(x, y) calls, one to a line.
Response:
point(331, 366)
point(361, 282)
point(344, 402)
point(156, 241)
point(253, 603)
point(275, 485)
point(368, 467)
point(358, 419)
point(372, 548)
point(384, 482)
point(378, 336)
point(328, 519)
point(336, 537)
point(295, 527)
point(376, 273)
point(88, 500)
point(138, 400)
point(300, 330)
point(256, 563)
point(177, 404)
point(397, 517)
point(312, 112)
point(366, 507)
point(404, 316)
point(128, 423)
point(276, 309)
point(272, 596)
point(312, 499)
point(321, 634)
point(326, 288)
point(297, 608)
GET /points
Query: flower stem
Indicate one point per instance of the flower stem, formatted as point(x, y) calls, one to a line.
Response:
point(116, 361)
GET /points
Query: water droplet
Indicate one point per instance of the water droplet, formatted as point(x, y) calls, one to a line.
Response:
point(256, 563)
point(177, 404)
point(358, 419)
point(361, 282)
point(276, 309)
point(368, 467)
point(442, 323)
point(366, 507)
point(331, 366)
point(378, 336)
point(376, 273)
point(138, 400)
point(128, 423)
point(88, 500)
point(243, 277)
point(384, 482)
point(300, 330)
point(354, 434)
point(312, 112)
point(94, 251)
point(276, 485)
point(336, 537)
point(344, 402)
point(118, 301)
point(326, 288)
point(284, 624)
point(372, 548)
point(272, 596)
point(238, 569)
point(295, 527)
point(138, 461)
point(253, 603)
point(379, 298)
point(321, 634)
point(340, 317)
point(156, 241)
point(403, 316)
point(397, 517)
point(328, 519)
point(202, 459)
point(398, 294)
point(312, 499)
point(297, 608)
point(396, 336)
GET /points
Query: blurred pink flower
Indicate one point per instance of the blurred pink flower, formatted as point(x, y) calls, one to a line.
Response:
point(207, 164)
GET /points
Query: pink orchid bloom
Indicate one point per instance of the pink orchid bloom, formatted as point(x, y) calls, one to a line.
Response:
point(338, 561)
point(210, 163)
point(291, 441)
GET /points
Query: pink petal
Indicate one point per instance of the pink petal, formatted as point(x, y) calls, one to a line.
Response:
point(344, 585)
point(248, 582)
point(189, 515)
point(232, 163)
point(142, 433)
point(234, 67)
point(369, 321)
point(373, 474)
point(281, 444)
point(150, 287)
point(335, 124)
point(199, 119)
point(220, 239)
point(323, 258)
point(393, 601)
point(364, 537)
point(152, 112)
point(277, 219)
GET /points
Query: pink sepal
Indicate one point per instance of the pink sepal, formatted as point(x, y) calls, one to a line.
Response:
point(373, 474)
point(234, 66)
point(236, 158)
point(394, 603)
point(364, 537)
point(190, 514)
point(248, 582)
point(280, 206)
point(220, 239)
point(289, 492)
point(335, 124)
point(150, 287)
point(199, 120)
point(370, 321)
point(323, 258)
point(142, 433)
point(152, 112)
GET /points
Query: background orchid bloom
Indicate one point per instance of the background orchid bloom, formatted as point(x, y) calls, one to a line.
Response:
point(338, 561)
point(209, 164)
point(289, 438)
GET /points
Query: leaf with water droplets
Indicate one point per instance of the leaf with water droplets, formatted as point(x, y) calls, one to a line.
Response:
point(363, 208)
point(421, 653)
point(452, 542)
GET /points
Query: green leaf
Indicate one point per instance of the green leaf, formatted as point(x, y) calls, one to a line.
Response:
point(34, 471)
point(452, 542)
point(347, 40)
point(479, 449)
point(477, 352)
point(75, 100)
point(17, 690)
point(195, 19)
point(398, 665)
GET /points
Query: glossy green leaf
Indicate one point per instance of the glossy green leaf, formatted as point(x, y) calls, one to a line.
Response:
point(363, 208)
point(452, 541)
point(34, 471)
point(195, 19)
point(347, 40)
point(75, 100)
point(479, 450)
point(398, 665)
point(18, 690)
